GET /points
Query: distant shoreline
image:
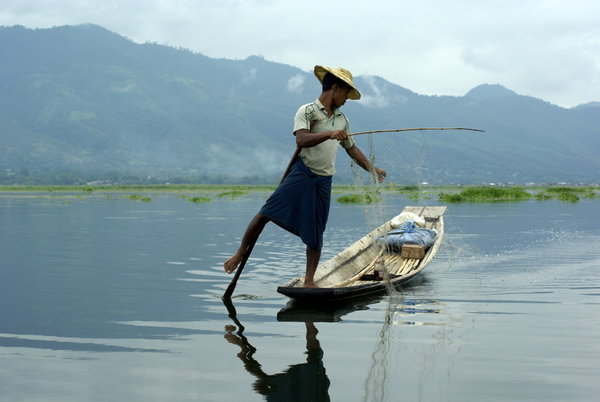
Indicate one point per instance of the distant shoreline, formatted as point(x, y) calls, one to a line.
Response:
point(268, 187)
point(342, 193)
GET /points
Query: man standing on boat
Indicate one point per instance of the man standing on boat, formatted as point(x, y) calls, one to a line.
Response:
point(300, 204)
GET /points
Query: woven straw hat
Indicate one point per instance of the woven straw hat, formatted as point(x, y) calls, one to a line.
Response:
point(342, 74)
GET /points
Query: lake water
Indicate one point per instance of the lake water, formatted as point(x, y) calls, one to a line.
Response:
point(104, 298)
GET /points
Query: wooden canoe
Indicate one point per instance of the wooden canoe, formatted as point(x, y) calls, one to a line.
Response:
point(358, 270)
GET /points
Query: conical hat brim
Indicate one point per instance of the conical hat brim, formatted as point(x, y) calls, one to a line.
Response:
point(343, 75)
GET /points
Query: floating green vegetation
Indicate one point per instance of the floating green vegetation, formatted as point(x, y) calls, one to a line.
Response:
point(486, 194)
point(137, 187)
point(568, 197)
point(232, 194)
point(542, 196)
point(138, 197)
point(591, 195)
point(562, 189)
point(359, 194)
point(567, 194)
point(417, 196)
point(197, 200)
point(410, 187)
point(365, 198)
point(412, 192)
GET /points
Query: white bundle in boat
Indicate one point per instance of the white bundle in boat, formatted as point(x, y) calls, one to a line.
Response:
point(404, 216)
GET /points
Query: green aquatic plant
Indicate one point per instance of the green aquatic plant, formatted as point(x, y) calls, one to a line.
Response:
point(412, 191)
point(562, 189)
point(568, 197)
point(133, 188)
point(409, 187)
point(486, 194)
point(417, 196)
point(567, 194)
point(138, 197)
point(365, 198)
point(232, 194)
point(543, 196)
point(197, 200)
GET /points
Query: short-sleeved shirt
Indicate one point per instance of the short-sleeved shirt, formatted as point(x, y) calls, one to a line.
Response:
point(320, 159)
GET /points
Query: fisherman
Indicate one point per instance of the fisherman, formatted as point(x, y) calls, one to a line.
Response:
point(301, 203)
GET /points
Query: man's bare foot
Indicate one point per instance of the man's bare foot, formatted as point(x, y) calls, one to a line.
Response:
point(310, 285)
point(231, 264)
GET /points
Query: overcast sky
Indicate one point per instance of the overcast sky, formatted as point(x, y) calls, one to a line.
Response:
point(549, 49)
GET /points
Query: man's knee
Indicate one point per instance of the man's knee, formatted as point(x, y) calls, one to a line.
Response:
point(261, 219)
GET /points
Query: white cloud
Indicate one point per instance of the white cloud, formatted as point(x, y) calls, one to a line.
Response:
point(295, 83)
point(123, 87)
point(379, 99)
point(544, 48)
point(250, 75)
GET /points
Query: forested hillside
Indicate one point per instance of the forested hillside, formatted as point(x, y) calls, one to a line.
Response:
point(80, 103)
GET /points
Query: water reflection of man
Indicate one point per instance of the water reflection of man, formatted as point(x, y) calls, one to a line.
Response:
point(300, 382)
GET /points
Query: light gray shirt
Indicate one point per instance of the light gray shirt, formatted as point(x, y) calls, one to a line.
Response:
point(320, 159)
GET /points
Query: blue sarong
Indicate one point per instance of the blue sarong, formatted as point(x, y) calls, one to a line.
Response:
point(300, 204)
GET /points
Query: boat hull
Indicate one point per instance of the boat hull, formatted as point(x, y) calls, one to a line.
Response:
point(341, 293)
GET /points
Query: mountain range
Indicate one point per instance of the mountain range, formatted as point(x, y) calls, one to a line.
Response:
point(81, 103)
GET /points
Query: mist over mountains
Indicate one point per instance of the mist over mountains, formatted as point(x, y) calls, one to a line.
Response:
point(80, 103)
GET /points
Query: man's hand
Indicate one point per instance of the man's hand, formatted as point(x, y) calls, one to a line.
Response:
point(380, 174)
point(338, 135)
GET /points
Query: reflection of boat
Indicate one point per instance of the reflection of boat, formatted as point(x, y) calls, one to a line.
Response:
point(365, 268)
point(299, 311)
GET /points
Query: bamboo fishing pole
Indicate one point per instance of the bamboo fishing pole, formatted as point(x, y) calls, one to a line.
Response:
point(417, 129)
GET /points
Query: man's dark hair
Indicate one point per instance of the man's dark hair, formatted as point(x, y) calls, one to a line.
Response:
point(330, 79)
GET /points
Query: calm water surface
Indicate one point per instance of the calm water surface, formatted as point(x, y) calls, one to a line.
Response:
point(105, 298)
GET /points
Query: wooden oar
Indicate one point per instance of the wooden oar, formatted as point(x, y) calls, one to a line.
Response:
point(291, 163)
point(233, 314)
point(233, 283)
